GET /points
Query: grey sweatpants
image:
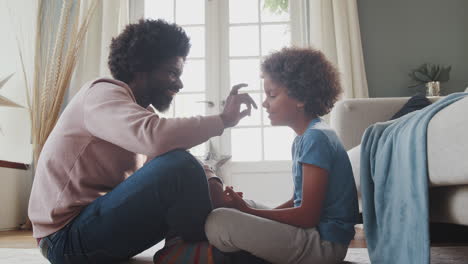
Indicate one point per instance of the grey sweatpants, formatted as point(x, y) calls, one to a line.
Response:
point(231, 230)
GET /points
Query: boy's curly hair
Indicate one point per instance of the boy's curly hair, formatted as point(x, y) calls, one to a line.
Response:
point(142, 46)
point(307, 75)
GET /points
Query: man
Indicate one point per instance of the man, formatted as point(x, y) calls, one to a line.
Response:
point(113, 177)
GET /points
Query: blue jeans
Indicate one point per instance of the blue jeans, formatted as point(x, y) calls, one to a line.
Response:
point(168, 193)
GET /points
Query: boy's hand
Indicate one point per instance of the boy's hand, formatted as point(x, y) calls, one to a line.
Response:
point(234, 199)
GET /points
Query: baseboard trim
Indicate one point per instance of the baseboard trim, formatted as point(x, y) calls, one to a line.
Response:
point(13, 165)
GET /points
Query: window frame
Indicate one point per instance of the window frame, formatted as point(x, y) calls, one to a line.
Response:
point(217, 60)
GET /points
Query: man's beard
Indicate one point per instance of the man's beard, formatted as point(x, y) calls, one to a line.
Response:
point(162, 101)
point(158, 94)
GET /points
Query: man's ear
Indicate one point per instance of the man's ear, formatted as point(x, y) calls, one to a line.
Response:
point(141, 78)
point(138, 76)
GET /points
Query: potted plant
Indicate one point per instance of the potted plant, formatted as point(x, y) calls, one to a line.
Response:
point(276, 6)
point(5, 101)
point(430, 75)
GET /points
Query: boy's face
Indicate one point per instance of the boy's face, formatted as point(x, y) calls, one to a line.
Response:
point(282, 110)
point(163, 83)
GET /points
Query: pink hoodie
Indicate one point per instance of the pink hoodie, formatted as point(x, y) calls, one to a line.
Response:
point(101, 138)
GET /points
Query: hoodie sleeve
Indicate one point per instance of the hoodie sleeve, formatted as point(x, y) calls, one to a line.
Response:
point(112, 114)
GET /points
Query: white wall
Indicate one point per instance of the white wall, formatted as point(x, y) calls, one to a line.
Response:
point(16, 25)
point(400, 35)
point(15, 186)
point(17, 19)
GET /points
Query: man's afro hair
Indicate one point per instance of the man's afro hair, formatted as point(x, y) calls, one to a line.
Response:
point(142, 46)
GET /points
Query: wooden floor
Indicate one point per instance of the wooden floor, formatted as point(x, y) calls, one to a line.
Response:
point(359, 240)
point(441, 235)
point(24, 239)
point(17, 239)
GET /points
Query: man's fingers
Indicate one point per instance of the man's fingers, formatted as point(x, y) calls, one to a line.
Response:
point(244, 113)
point(235, 88)
point(247, 111)
point(253, 102)
point(247, 100)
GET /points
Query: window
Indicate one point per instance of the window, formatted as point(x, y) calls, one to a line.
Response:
point(190, 14)
point(229, 40)
point(254, 32)
point(247, 33)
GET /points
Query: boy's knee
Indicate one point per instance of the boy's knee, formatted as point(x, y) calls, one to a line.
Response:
point(218, 227)
point(218, 219)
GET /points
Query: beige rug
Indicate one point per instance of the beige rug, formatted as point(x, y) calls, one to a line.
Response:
point(439, 255)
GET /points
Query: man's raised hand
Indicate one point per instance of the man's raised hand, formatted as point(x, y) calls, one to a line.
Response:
point(231, 114)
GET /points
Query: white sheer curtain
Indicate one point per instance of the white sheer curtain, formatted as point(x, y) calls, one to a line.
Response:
point(110, 19)
point(61, 26)
point(333, 27)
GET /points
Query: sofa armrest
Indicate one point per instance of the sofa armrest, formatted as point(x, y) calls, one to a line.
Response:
point(350, 117)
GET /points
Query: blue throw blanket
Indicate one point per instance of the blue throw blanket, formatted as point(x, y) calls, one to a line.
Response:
point(394, 187)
